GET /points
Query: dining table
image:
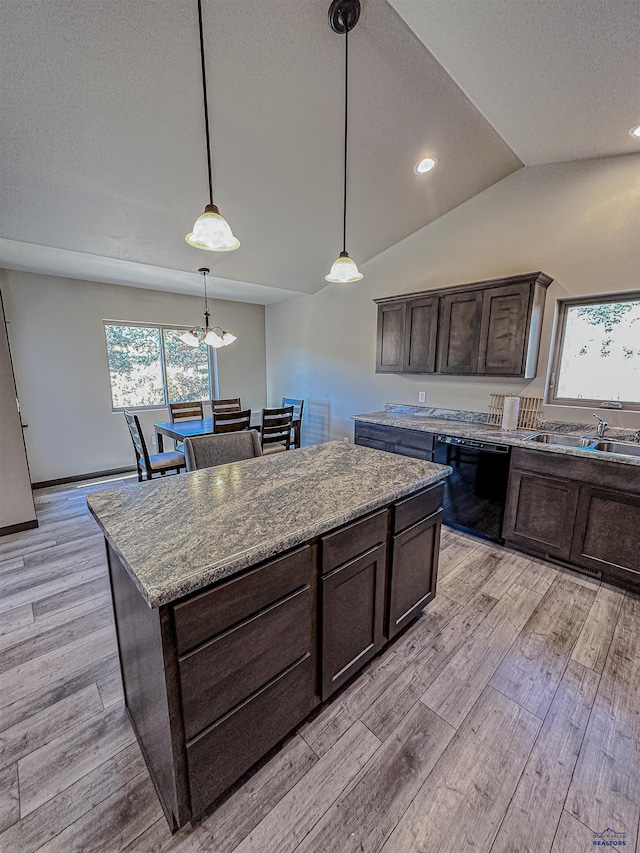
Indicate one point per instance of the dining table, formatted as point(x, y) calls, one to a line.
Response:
point(179, 430)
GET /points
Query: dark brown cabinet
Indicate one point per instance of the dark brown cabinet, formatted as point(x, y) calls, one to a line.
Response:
point(414, 557)
point(487, 328)
point(390, 342)
point(406, 442)
point(459, 332)
point(352, 617)
point(504, 316)
point(420, 333)
point(585, 512)
point(539, 513)
point(215, 680)
point(607, 532)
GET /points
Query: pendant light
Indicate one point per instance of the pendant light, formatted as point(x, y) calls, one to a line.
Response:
point(343, 16)
point(211, 231)
point(214, 337)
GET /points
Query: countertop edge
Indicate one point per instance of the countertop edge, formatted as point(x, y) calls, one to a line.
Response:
point(253, 556)
point(482, 432)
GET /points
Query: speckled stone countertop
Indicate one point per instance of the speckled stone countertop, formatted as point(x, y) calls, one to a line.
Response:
point(181, 533)
point(489, 432)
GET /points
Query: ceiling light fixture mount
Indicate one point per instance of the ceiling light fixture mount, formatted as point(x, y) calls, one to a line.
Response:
point(214, 337)
point(211, 231)
point(343, 16)
point(425, 165)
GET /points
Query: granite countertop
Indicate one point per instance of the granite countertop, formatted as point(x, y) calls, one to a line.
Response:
point(178, 534)
point(490, 432)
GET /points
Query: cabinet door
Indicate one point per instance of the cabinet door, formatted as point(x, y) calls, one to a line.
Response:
point(540, 513)
point(421, 325)
point(504, 330)
point(414, 571)
point(352, 617)
point(459, 332)
point(606, 533)
point(390, 343)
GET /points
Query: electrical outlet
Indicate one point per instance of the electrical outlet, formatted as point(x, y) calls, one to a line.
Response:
point(154, 440)
point(422, 397)
point(346, 439)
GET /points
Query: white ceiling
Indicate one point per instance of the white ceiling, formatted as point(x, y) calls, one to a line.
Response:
point(558, 79)
point(102, 156)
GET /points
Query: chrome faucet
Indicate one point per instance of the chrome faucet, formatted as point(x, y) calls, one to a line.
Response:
point(601, 429)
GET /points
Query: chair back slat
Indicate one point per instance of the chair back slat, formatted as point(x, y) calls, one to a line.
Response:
point(231, 421)
point(186, 411)
point(139, 444)
point(276, 424)
point(298, 406)
point(230, 405)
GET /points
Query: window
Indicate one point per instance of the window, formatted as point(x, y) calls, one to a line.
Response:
point(149, 366)
point(596, 354)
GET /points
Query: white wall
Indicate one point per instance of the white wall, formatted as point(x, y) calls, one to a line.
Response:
point(60, 360)
point(579, 222)
point(16, 501)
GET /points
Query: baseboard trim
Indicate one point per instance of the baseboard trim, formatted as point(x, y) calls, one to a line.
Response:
point(93, 475)
point(18, 528)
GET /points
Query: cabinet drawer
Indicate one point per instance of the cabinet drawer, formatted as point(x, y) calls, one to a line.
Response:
point(408, 442)
point(221, 674)
point(209, 613)
point(416, 507)
point(353, 540)
point(222, 753)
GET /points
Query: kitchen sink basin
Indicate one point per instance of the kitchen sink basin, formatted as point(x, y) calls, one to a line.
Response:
point(563, 440)
point(618, 447)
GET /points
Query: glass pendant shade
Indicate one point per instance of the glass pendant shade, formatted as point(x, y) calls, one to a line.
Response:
point(190, 338)
point(212, 233)
point(213, 339)
point(228, 338)
point(344, 270)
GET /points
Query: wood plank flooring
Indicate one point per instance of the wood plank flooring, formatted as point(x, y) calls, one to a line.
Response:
point(505, 720)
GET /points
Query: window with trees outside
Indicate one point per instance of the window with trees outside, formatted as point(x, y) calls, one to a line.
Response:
point(150, 367)
point(596, 357)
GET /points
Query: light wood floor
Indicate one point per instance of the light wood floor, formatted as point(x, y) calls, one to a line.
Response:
point(506, 719)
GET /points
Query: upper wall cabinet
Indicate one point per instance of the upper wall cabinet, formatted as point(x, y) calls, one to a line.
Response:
point(486, 328)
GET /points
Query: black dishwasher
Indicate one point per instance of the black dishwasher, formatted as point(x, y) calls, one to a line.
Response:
point(475, 493)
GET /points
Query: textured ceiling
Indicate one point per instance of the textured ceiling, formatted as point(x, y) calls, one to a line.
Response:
point(558, 79)
point(102, 140)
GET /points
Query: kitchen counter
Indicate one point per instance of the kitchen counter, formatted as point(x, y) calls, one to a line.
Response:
point(178, 534)
point(489, 432)
point(246, 594)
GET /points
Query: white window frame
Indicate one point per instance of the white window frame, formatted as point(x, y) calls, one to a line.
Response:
point(557, 344)
point(211, 362)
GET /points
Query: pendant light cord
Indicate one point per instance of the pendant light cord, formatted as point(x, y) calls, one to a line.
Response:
point(206, 304)
point(346, 113)
point(206, 106)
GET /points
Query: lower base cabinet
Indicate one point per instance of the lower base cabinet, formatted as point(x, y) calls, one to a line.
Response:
point(573, 509)
point(214, 681)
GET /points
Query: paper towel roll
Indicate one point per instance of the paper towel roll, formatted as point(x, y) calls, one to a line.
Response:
point(510, 413)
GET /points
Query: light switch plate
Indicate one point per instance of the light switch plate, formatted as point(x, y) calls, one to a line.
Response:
point(422, 397)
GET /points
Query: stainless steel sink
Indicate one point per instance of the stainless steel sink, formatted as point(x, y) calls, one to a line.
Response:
point(618, 447)
point(563, 440)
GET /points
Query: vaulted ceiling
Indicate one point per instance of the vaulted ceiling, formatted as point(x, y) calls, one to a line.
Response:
point(102, 157)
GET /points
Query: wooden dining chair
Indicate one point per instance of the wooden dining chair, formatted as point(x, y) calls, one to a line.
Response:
point(298, 406)
point(275, 429)
point(207, 451)
point(186, 411)
point(231, 421)
point(230, 405)
point(154, 463)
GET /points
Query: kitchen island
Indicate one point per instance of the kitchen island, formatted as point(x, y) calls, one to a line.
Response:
point(246, 594)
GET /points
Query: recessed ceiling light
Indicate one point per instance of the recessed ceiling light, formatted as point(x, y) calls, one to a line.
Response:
point(425, 165)
point(635, 132)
